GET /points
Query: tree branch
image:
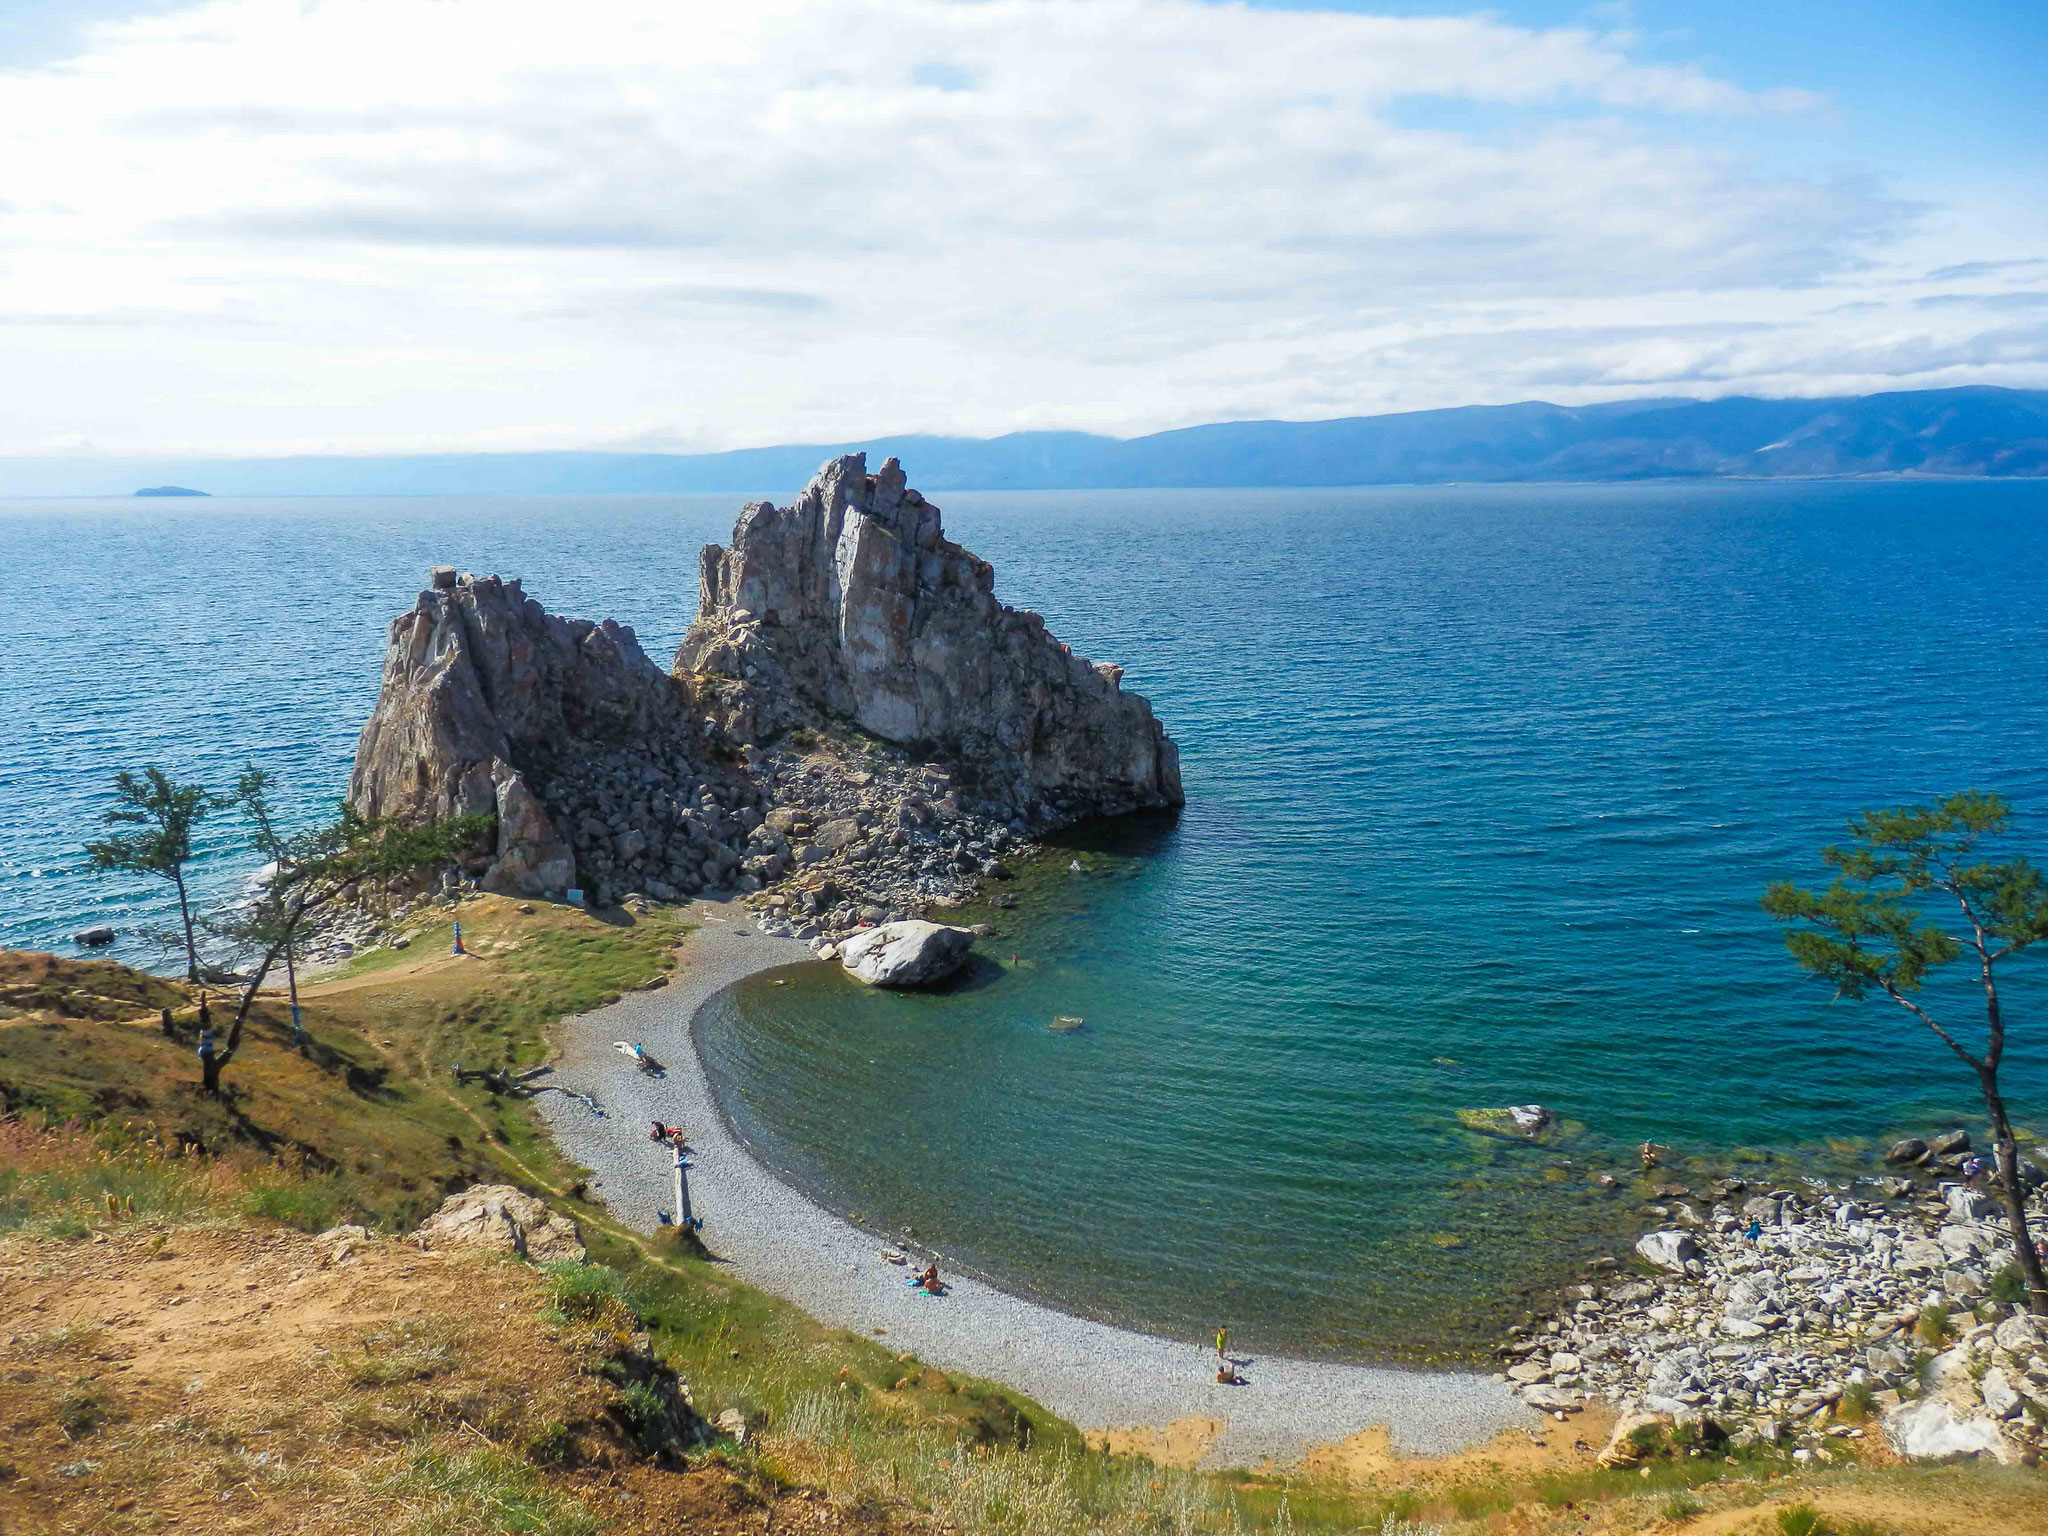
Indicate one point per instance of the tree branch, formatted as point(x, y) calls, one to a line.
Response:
point(1927, 1018)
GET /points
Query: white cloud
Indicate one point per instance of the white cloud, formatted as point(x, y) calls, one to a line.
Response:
point(266, 224)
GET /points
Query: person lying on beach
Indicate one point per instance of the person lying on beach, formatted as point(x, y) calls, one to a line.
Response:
point(671, 1135)
point(1227, 1376)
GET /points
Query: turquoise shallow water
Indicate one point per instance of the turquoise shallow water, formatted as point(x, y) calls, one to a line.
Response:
point(1482, 786)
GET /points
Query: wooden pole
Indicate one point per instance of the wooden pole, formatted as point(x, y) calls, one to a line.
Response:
point(683, 1216)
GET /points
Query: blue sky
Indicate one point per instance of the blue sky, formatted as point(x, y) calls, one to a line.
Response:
point(287, 225)
point(1930, 90)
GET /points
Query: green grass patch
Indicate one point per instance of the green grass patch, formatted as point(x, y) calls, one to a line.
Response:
point(485, 1491)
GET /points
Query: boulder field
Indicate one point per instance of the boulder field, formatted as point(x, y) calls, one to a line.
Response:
point(1806, 1312)
point(853, 716)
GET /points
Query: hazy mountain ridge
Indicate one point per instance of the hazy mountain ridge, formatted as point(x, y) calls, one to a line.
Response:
point(1980, 430)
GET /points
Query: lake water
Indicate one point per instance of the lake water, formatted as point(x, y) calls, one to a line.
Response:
point(1482, 786)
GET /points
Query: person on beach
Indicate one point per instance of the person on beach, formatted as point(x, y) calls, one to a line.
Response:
point(1648, 1152)
point(929, 1282)
point(1222, 1342)
point(1756, 1230)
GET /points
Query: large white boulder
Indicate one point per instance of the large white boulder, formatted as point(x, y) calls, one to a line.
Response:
point(501, 1219)
point(906, 954)
point(1668, 1250)
point(1966, 1204)
point(2000, 1396)
point(1928, 1429)
point(2021, 1333)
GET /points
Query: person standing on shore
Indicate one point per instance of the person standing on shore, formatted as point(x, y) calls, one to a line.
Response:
point(1222, 1343)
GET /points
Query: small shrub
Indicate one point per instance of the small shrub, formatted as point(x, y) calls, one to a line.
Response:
point(82, 1412)
point(412, 1351)
point(644, 1405)
point(1932, 1328)
point(1859, 1402)
point(588, 1295)
point(310, 1204)
point(1802, 1520)
point(1682, 1506)
point(1648, 1440)
point(2009, 1286)
point(552, 1445)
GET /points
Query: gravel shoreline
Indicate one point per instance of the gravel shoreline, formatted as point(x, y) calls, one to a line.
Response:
point(775, 1238)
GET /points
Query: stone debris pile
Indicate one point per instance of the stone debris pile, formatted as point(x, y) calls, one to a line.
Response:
point(1793, 1314)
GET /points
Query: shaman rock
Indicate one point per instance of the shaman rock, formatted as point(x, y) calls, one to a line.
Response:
point(482, 688)
point(852, 603)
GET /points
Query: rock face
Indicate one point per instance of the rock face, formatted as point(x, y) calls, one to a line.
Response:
point(486, 692)
point(854, 719)
point(907, 954)
point(504, 1220)
point(853, 602)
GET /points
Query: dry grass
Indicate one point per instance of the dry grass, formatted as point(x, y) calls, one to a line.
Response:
point(384, 1393)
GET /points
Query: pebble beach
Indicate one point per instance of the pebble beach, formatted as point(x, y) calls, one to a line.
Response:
point(1096, 1376)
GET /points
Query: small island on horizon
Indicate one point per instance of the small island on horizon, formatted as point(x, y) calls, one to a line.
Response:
point(170, 490)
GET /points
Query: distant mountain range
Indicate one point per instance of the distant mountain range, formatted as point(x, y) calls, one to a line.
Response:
point(1972, 431)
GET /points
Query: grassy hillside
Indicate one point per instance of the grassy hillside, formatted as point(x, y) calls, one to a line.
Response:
point(151, 1237)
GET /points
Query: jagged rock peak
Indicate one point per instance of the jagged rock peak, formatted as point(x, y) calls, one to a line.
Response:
point(484, 689)
point(853, 602)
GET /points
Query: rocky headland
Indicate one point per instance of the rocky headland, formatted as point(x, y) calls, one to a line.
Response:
point(1808, 1312)
point(854, 725)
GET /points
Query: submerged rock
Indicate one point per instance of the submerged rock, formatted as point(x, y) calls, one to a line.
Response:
point(1532, 1121)
point(906, 954)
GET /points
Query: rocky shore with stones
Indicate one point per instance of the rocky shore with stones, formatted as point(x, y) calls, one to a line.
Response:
point(1809, 1312)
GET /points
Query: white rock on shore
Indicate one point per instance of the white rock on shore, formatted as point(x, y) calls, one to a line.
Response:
point(906, 954)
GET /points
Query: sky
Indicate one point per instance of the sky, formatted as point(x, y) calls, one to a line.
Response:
point(377, 226)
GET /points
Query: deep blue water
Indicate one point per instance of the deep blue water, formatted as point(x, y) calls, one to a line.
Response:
point(1483, 784)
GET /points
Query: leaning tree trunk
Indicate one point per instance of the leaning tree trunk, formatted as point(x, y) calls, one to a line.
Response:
point(185, 913)
point(2008, 1153)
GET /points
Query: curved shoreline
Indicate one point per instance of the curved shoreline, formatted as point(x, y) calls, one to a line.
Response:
point(1093, 1374)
